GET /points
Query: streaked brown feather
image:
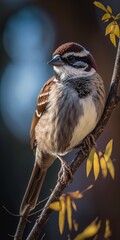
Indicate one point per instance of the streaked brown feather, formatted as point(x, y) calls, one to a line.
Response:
point(42, 102)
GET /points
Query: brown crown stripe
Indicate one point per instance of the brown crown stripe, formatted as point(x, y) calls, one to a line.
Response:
point(68, 47)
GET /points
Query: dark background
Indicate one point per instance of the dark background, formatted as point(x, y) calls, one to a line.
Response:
point(29, 32)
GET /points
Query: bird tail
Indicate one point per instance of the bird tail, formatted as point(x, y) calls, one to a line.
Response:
point(33, 189)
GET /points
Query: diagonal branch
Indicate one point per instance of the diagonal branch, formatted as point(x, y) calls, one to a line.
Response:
point(112, 101)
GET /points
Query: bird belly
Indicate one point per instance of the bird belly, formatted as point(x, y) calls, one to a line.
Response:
point(87, 122)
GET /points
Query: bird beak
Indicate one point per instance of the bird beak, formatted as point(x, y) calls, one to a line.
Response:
point(56, 61)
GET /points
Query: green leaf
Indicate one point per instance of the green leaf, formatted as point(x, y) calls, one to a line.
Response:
point(109, 9)
point(106, 16)
point(96, 166)
point(108, 150)
point(100, 5)
point(111, 168)
point(89, 162)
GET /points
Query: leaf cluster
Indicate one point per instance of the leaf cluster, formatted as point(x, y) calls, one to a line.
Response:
point(65, 205)
point(92, 230)
point(112, 29)
point(101, 160)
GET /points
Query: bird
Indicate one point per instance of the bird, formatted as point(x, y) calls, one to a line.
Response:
point(69, 106)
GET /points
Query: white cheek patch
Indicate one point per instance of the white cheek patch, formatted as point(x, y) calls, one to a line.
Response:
point(60, 71)
point(57, 69)
point(66, 71)
point(88, 74)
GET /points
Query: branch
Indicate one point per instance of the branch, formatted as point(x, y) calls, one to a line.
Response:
point(111, 103)
point(21, 226)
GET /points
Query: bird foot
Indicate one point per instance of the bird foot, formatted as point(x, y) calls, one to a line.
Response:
point(90, 139)
point(64, 171)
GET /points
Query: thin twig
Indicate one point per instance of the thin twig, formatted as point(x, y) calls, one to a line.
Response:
point(34, 213)
point(111, 103)
point(12, 214)
point(42, 200)
point(42, 236)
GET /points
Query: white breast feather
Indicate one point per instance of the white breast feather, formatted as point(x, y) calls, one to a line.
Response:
point(86, 123)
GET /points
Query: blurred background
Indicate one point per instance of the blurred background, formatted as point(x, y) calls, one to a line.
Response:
point(30, 30)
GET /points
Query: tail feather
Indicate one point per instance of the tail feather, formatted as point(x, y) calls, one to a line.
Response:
point(33, 189)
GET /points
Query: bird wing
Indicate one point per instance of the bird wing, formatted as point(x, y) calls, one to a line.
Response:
point(42, 102)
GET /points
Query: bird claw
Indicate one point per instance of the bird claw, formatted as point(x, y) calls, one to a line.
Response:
point(90, 139)
point(64, 172)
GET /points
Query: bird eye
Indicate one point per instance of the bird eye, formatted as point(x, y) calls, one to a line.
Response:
point(71, 59)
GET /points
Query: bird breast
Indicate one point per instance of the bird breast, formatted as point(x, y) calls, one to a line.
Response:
point(67, 120)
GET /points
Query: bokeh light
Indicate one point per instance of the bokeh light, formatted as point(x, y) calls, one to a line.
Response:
point(28, 42)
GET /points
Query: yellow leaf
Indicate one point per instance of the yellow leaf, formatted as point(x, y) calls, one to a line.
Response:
point(55, 206)
point(109, 28)
point(113, 39)
point(96, 166)
point(74, 205)
point(109, 9)
point(117, 16)
point(117, 30)
point(106, 16)
point(100, 153)
point(88, 188)
point(111, 168)
point(107, 233)
point(69, 212)
point(100, 5)
point(103, 167)
point(108, 150)
point(90, 162)
point(89, 231)
point(106, 20)
point(62, 214)
point(75, 225)
point(75, 195)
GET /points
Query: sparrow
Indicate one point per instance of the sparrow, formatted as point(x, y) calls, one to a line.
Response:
point(69, 107)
